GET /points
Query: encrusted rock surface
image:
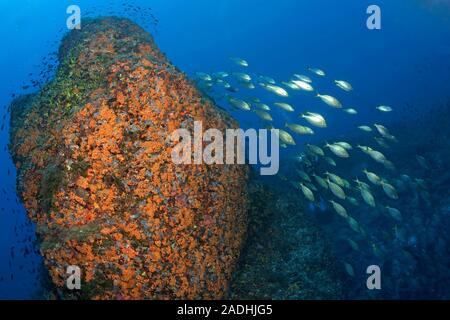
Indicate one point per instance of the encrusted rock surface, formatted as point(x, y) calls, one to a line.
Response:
point(96, 174)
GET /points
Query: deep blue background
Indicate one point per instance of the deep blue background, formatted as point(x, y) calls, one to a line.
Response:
point(405, 64)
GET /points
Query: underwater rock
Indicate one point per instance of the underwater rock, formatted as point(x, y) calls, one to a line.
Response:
point(96, 175)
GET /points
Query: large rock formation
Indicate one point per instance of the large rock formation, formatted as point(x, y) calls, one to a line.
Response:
point(96, 174)
point(286, 256)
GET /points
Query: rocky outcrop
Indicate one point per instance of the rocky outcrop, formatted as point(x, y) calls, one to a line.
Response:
point(286, 256)
point(96, 175)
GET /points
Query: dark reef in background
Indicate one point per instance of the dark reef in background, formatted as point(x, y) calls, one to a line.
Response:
point(286, 256)
point(97, 177)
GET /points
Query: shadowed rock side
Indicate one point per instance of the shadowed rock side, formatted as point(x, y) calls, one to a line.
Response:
point(96, 175)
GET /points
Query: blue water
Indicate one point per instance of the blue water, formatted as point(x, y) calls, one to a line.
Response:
point(406, 64)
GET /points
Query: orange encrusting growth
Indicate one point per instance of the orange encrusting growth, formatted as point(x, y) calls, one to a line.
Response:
point(138, 225)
